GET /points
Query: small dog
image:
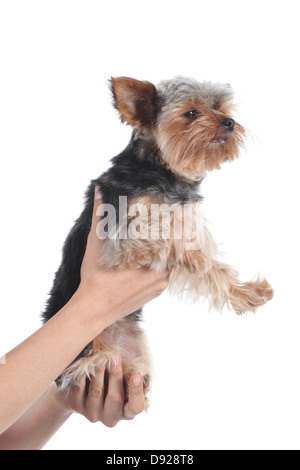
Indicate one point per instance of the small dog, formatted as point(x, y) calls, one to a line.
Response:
point(181, 130)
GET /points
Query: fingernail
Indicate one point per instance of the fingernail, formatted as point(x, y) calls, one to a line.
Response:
point(117, 361)
point(136, 380)
point(98, 194)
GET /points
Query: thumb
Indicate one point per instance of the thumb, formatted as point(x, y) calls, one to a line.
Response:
point(94, 245)
point(97, 203)
point(96, 216)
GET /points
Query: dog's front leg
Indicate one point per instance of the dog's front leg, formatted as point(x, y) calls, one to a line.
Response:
point(200, 272)
point(173, 238)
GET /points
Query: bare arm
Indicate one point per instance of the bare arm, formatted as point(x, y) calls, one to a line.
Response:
point(33, 365)
point(44, 418)
point(35, 427)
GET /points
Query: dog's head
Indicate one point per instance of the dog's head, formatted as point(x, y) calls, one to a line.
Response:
point(187, 122)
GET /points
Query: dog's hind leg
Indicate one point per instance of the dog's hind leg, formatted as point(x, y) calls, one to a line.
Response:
point(124, 339)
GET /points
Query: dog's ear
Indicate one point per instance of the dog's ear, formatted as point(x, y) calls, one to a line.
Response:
point(135, 100)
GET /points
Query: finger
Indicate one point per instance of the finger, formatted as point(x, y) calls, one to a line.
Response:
point(76, 397)
point(98, 202)
point(114, 400)
point(136, 400)
point(95, 397)
point(94, 243)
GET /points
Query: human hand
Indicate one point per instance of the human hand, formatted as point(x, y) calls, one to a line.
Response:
point(113, 293)
point(90, 400)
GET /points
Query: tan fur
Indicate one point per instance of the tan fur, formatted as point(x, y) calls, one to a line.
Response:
point(123, 339)
point(189, 148)
point(194, 274)
point(221, 286)
point(134, 99)
point(197, 272)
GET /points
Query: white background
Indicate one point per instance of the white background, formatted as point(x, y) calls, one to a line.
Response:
point(222, 381)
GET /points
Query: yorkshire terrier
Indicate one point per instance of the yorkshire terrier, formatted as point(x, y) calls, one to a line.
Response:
point(181, 130)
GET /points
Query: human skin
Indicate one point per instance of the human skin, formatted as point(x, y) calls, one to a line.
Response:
point(46, 416)
point(26, 378)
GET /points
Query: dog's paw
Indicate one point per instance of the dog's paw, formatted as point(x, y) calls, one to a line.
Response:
point(248, 296)
point(87, 367)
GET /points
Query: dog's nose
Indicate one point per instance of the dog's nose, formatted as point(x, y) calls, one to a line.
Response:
point(228, 123)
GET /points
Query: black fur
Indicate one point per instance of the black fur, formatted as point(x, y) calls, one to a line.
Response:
point(134, 172)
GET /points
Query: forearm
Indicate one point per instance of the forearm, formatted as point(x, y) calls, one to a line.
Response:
point(34, 429)
point(33, 365)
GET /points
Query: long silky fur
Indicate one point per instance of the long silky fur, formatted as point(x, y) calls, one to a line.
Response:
point(164, 163)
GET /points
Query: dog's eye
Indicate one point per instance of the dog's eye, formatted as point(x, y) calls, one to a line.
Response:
point(193, 114)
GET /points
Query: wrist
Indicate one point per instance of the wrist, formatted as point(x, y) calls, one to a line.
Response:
point(88, 313)
point(58, 402)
